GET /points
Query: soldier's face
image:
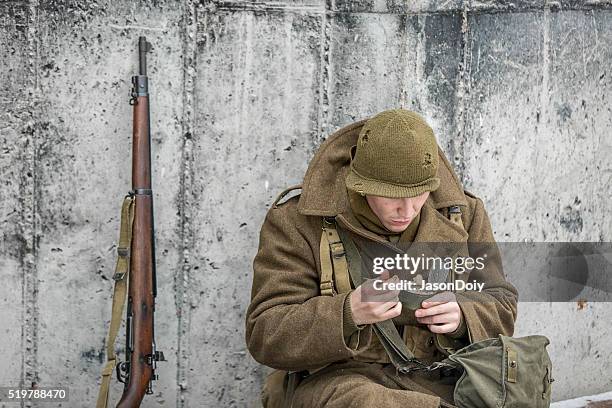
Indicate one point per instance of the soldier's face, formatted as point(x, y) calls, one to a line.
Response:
point(396, 213)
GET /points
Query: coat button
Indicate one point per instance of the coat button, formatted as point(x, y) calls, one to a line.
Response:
point(430, 341)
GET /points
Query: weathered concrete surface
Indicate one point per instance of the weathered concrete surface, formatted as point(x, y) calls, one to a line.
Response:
point(238, 127)
point(539, 82)
point(68, 155)
point(579, 344)
point(16, 241)
point(243, 93)
point(85, 59)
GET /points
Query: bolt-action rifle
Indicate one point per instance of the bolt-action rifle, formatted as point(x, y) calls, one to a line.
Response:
point(135, 270)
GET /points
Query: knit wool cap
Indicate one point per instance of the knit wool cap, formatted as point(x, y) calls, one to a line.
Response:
point(396, 156)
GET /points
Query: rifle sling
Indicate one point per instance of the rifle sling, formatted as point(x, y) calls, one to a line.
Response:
point(122, 269)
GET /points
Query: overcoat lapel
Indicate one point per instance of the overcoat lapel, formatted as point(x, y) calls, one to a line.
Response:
point(435, 227)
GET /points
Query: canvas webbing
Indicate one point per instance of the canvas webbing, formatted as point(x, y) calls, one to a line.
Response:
point(326, 285)
point(334, 269)
point(120, 277)
point(454, 215)
point(341, 264)
point(399, 354)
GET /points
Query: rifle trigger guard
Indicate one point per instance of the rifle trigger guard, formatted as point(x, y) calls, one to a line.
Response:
point(122, 376)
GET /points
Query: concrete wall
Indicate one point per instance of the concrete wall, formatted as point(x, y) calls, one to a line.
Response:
point(243, 92)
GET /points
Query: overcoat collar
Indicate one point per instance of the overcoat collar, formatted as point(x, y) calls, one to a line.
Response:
point(433, 227)
point(324, 192)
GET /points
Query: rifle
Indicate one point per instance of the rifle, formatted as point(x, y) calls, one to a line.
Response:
point(135, 263)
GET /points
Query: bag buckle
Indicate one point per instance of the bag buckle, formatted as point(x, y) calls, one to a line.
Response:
point(337, 249)
point(454, 210)
point(420, 366)
point(327, 288)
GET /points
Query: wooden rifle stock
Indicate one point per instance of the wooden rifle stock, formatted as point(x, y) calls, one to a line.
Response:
point(138, 371)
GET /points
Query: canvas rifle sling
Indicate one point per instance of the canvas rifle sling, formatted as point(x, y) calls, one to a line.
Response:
point(120, 277)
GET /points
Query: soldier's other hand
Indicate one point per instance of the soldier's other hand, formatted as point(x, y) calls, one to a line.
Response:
point(441, 313)
point(371, 305)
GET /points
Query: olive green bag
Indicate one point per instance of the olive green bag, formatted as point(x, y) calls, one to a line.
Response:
point(503, 372)
point(498, 372)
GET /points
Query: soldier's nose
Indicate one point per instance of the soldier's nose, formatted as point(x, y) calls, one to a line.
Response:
point(405, 209)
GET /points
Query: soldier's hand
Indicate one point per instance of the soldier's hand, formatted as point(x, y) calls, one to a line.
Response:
point(441, 313)
point(370, 305)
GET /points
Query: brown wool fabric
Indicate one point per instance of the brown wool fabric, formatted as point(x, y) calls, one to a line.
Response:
point(349, 326)
point(396, 156)
point(290, 326)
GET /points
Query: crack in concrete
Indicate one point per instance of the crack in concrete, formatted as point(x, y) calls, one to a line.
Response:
point(28, 224)
point(182, 276)
point(324, 79)
point(542, 114)
point(457, 143)
point(404, 61)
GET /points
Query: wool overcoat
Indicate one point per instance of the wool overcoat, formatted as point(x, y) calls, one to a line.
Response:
point(291, 327)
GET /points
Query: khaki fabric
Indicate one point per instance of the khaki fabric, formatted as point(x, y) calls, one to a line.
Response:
point(122, 269)
point(504, 372)
point(290, 326)
point(395, 156)
point(360, 385)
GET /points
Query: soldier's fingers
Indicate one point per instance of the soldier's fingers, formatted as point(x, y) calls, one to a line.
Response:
point(393, 312)
point(380, 308)
point(427, 304)
point(434, 310)
point(378, 286)
point(384, 275)
point(439, 298)
point(444, 328)
point(438, 319)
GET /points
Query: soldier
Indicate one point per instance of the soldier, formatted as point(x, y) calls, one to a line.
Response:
point(384, 180)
